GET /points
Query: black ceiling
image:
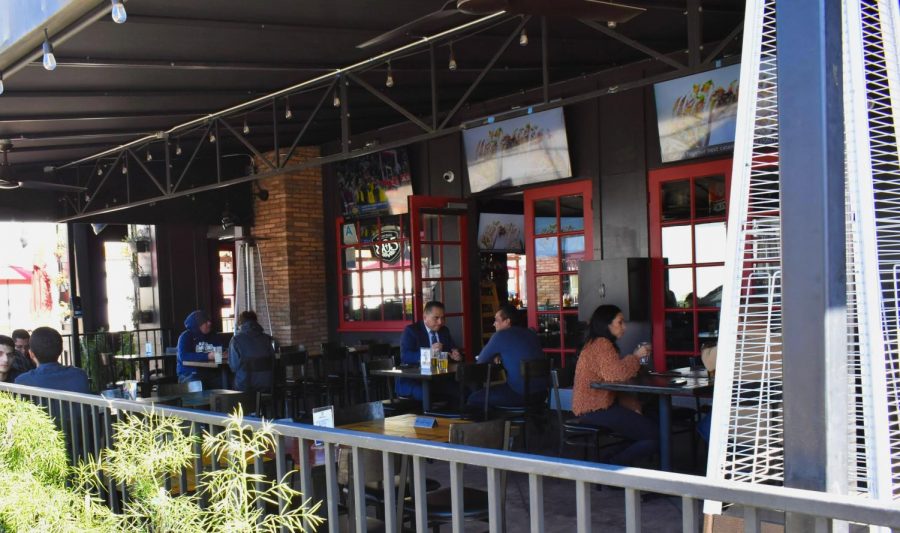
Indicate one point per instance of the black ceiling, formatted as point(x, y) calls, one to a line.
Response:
point(173, 61)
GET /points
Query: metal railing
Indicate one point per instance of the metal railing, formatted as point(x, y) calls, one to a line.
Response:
point(92, 344)
point(87, 422)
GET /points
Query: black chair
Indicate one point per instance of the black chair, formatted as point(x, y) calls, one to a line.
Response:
point(228, 402)
point(469, 377)
point(171, 389)
point(261, 368)
point(288, 389)
point(331, 375)
point(533, 372)
point(392, 405)
point(571, 429)
point(360, 412)
point(493, 434)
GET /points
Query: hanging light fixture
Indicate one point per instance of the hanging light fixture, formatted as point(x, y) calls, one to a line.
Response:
point(389, 81)
point(611, 24)
point(99, 170)
point(177, 147)
point(336, 101)
point(49, 58)
point(149, 155)
point(246, 129)
point(1, 82)
point(452, 64)
point(212, 136)
point(288, 115)
point(125, 165)
point(118, 12)
point(523, 38)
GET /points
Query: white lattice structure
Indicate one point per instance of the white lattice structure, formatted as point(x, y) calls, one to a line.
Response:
point(749, 372)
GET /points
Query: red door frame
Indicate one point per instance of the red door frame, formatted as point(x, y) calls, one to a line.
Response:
point(436, 204)
point(580, 187)
point(655, 179)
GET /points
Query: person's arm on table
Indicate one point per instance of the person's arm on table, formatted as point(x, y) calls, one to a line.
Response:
point(187, 353)
point(409, 346)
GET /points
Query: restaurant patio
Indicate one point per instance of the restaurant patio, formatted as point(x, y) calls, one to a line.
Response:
point(336, 165)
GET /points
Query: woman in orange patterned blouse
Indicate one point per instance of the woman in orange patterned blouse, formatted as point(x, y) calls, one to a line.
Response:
point(600, 360)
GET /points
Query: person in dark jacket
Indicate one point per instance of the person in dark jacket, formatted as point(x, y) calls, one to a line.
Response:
point(8, 374)
point(22, 361)
point(430, 332)
point(198, 327)
point(45, 349)
point(251, 356)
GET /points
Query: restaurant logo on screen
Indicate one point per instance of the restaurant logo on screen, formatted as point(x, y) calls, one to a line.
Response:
point(375, 184)
point(697, 115)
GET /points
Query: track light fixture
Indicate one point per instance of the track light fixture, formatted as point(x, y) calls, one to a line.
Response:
point(389, 81)
point(336, 101)
point(523, 38)
point(246, 129)
point(177, 147)
point(1, 82)
point(118, 12)
point(49, 58)
point(452, 64)
point(288, 115)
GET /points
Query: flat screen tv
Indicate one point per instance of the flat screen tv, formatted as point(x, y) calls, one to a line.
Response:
point(499, 232)
point(527, 149)
point(696, 115)
point(375, 184)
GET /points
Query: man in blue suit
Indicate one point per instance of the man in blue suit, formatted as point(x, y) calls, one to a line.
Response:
point(430, 332)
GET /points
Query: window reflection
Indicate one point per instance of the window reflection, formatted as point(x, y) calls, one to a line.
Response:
point(709, 197)
point(546, 254)
point(548, 293)
point(676, 200)
point(676, 244)
point(709, 286)
point(680, 331)
point(679, 285)
point(572, 252)
point(548, 331)
point(710, 239)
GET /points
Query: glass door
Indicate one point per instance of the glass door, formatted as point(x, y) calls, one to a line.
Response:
point(558, 234)
point(688, 211)
point(440, 272)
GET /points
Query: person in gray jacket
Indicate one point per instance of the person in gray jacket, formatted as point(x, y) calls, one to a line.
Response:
point(251, 355)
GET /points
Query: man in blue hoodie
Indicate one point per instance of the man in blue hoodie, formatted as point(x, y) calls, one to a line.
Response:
point(251, 356)
point(198, 327)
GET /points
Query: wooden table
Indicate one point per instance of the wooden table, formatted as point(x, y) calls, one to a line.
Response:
point(191, 400)
point(415, 373)
point(143, 362)
point(223, 368)
point(664, 386)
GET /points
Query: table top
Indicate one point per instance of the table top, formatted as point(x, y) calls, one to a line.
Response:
point(188, 399)
point(206, 364)
point(678, 382)
point(139, 356)
point(404, 426)
point(410, 373)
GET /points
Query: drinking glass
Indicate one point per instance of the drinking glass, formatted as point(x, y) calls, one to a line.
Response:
point(645, 360)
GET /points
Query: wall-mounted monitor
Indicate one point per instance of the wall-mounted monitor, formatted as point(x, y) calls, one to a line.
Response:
point(375, 184)
point(696, 115)
point(499, 232)
point(527, 149)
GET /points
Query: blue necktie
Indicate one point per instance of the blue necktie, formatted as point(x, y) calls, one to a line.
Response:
point(434, 338)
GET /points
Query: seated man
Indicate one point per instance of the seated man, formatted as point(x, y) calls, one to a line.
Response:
point(427, 333)
point(250, 343)
point(509, 346)
point(45, 349)
point(7, 356)
point(198, 327)
point(21, 361)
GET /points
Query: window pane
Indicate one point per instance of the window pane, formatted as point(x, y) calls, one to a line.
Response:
point(570, 291)
point(393, 309)
point(372, 309)
point(544, 216)
point(680, 287)
point(572, 252)
point(680, 331)
point(708, 324)
point(709, 197)
point(710, 242)
point(453, 296)
point(431, 266)
point(352, 311)
point(367, 230)
point(676, 200)
point(430, 227)
point(431, 290)
point(450, 227)
point(546, 254)
point(709, 286)
point(676, 244)
point(548, 330)
point(452, 261)
point(571, 213)
point(351, 284)
point(548, 293)
point(455, 325)
point(574, 332)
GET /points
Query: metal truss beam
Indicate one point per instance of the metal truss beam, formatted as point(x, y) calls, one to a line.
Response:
point(723, 43)
point(634, 44)
point(390, 102)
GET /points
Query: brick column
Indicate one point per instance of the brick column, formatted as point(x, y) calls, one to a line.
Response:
point(289, 226)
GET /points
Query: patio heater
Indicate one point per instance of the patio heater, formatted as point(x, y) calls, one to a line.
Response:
point(249, 262)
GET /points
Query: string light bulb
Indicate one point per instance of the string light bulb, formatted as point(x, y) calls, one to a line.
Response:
point(452, 64)
point(523, 38)
point(389, 81)
point(611, 24)
point(212, 137)
point(49, 58)
point(177, 147)
point(125, 167)
point(1, 82)
point(99, 171)
point(118, 12)
point(246, 129)
point(288, 114)
point(336, 101)
point(149, 155)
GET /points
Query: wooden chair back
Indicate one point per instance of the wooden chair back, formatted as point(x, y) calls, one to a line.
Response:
point(493, 434)
point(360, 412)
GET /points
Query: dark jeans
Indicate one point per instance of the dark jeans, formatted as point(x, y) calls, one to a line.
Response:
point(642, 431)
point(501, 395)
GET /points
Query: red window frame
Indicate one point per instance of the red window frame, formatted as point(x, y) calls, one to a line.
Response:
point(656, 179)
point(406, 292)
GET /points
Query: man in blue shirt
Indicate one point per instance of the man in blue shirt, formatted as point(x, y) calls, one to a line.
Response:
point(430, 332)
point(509, 346)
point(45, 349)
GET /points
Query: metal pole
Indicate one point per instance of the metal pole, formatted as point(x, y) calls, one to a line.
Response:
point(262, 276)
point(813, 241)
